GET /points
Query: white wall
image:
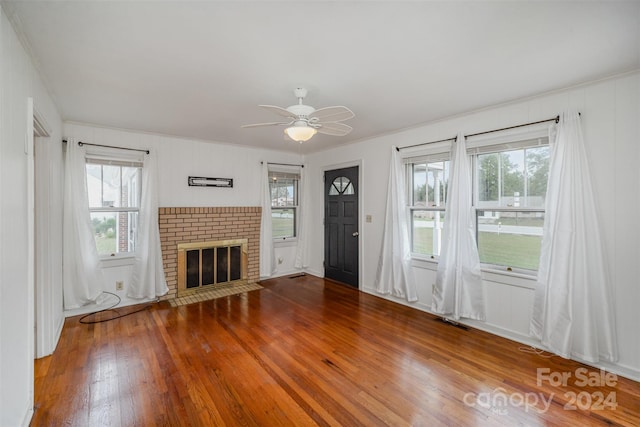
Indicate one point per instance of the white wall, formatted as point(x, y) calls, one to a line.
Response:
point(179, 158)
point(611, 121)
point(18, 82)
point(611, 117)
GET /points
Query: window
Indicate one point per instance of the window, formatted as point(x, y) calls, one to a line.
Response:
point(428, 178)
point(510, 186)
point(113, 189)
point(341, 186)
point(284, 203)
point(509, 190)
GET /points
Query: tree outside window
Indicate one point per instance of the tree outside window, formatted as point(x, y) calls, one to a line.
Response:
point(510, 185)
point(510, 193)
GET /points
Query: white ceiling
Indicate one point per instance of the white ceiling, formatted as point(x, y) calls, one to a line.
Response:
point(199, 69)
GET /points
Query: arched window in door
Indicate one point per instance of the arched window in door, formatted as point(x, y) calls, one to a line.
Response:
point(341, 186)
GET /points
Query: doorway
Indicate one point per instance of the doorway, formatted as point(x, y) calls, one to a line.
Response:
point(341, 232)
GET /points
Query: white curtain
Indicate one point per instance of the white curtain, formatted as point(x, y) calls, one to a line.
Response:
point(458, 290)
point(267, 255)
point(148, 279)
point(304, 196)
point(394, 275)
point(82, 276)
point(573, 313)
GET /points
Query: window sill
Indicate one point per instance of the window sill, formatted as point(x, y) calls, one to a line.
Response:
point(117, 261)
point(512, 278)
point(423, 262)
point(283, 243)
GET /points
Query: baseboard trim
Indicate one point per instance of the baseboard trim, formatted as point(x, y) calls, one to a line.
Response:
point(26, 421)
point(621, 370)
point(92, 308)
point(314, 272)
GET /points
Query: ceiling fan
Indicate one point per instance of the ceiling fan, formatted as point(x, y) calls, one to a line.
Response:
point(305, 121)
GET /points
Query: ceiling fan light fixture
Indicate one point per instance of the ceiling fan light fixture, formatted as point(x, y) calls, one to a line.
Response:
point(300, 133)
point(304, 121)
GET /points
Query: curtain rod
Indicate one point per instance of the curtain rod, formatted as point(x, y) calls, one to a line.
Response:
point(425, 143)
point(80, 143)
point(282, 164)
point(554, 119)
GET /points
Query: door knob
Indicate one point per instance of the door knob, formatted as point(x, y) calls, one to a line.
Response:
point(355, 234)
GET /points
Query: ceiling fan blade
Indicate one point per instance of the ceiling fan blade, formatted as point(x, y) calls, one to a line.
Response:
point(333, 114)
point(279, 111)
point(335, 129)
point(267, 124)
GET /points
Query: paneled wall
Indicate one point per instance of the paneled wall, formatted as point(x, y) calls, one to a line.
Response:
point(179, 158)
point(611, 122)
point(20, 81)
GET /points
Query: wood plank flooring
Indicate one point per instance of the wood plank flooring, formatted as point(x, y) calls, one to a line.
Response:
point(305, 351)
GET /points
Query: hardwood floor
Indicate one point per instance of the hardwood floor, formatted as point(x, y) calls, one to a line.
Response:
point(304, 351)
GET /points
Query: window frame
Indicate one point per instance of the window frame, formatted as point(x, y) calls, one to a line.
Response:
point(410, 163)
point(515, 142)
point(509, 141)
point(115, 161)
point(289, 174)
point(502, 267)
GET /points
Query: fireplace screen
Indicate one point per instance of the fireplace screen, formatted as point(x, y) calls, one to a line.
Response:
point(205, 264)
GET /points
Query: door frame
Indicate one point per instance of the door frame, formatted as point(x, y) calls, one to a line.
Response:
point(45, 336)
point(349, 164)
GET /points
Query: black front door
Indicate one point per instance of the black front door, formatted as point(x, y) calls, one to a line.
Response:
point(341, 225)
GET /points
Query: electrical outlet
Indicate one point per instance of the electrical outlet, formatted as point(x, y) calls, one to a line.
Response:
point(119, 285)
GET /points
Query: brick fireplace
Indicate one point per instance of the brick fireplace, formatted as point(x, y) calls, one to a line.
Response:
point(179, 226)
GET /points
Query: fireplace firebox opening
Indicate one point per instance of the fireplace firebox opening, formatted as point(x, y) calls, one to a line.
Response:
point(206, 265)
